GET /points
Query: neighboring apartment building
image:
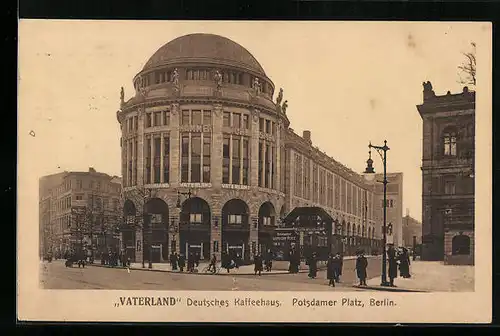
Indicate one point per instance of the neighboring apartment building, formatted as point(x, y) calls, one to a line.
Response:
point(411, 228)
point(448, 175)
point(78, 208)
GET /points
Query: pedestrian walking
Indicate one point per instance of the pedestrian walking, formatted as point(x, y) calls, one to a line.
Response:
point(212, 266)
point(190, 263)
point(182, 262)
point(313, 266)
point(257, 261)
point(393, 265)
point(331, 270)
point(361, 265)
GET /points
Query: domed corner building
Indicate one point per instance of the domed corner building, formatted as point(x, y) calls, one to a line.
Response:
point(201, 154)
point(210, 163)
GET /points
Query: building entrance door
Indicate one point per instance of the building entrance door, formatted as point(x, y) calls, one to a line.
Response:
point(195, 249)
point(156, 253)
point(236, 250)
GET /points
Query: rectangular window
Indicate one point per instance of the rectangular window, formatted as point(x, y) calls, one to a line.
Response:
point(298, 176)
point(196, 117)
point(235, 219)
point(157, 121)
point(225, 159)
point(135, 166)
point(207, 148)
point(226, 119)
point(147, 158)
point(79, 197)
point(157, 159)
point(267, 167)
point(261, 163)
point(195, 218)
point(236, 120)
point(148, 120)
point(98, 185)
point(246, 158)
point(166, 117)
point(185, 158)
point(273, 165)
point(79, 184)
point(245, 122)
point(195, 158)
point(207, 118)
point(185, 117)
point(236, 161)
point(261, 125)
point(449, 187)
point(268, 126)
point(136, 124)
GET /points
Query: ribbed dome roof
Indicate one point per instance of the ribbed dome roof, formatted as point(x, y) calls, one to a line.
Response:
point(203, 47)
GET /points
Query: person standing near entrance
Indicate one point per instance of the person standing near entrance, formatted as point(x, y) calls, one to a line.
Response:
point(404, 263)
point(361, 266)
point(331, 270)
point(257, 260)
point(313, 266)
point(393, 265)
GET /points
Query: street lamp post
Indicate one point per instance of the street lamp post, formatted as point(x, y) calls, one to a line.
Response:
point(178, 205)
point(370, 175)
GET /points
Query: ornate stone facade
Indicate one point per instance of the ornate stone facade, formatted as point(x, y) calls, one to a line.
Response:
point(448, 176)
point(214, 153)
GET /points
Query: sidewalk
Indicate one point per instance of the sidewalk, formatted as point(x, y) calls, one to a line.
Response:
point(431, 276)
point(279, 267)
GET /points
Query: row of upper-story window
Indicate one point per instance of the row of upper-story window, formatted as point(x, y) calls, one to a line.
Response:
point(462, 184)
point(201, 117)
point(454, 143)
point(315, 183)
point(202, 74)
point(196, 161)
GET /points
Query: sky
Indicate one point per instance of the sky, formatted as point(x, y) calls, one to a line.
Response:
point(347, 82)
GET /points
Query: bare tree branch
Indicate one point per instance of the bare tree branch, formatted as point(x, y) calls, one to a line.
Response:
point(468, 68)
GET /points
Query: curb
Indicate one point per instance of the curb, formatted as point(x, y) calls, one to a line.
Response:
point(390, 289)
point(197, 273)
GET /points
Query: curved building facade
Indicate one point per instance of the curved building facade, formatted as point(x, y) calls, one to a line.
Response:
point(208, 159)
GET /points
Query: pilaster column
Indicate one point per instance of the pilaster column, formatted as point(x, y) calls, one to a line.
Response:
point(254, 236)
point(139, 151)
point(254, 149)
point(162, 150)
point(139, 242)
point(175, 143)
point(216, 235)
point(216, 155)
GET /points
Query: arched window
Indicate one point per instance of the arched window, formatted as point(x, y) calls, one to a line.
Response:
point(460, 245)
point(449, 142)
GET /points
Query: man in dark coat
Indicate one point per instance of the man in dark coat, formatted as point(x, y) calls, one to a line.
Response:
point(331, 270)
point(257, 261)
point(339, 264)
point(313, 266)
point(361, 265)
point(182, 262)
point(269, 261)
point(393, 265)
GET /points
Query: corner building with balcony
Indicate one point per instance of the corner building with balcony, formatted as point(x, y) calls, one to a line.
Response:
point(210, 164)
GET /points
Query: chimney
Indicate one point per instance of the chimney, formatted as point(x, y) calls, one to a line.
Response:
point(91, 170)
point(307, 136)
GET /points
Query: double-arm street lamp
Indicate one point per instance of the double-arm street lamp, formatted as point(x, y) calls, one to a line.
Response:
point(370, 175)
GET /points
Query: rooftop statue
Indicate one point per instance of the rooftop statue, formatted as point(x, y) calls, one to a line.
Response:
point(175, 77)
point(284, 107)
point(280, 97)
point(218, 79)
point(122, 95)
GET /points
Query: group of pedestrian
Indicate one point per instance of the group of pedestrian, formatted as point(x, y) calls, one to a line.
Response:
point(178, 262)
point(398, 259)
point(334, 266)
point(229, 262)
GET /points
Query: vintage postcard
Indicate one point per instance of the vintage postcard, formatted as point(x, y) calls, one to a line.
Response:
point(254, 171)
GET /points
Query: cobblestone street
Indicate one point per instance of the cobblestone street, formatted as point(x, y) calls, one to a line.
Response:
point(55, 276)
